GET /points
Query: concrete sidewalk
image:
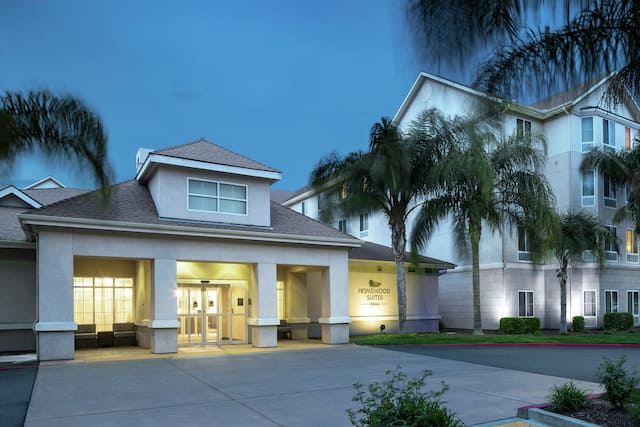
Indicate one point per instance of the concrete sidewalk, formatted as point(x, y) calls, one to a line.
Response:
point(292, 388)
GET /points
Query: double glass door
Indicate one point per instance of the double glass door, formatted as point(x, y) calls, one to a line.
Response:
point(212, 314)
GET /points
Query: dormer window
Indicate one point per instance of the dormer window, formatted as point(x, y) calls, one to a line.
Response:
point(220, 197)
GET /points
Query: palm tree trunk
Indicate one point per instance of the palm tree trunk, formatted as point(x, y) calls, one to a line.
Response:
point(399, 242)
point(562, 275)
point(474, 234)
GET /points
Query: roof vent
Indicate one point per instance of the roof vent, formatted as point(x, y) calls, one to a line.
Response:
point(141, 156)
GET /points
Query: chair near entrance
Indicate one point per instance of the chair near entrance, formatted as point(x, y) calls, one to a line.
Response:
point(121, 334)
point(124, 334)
point(284, 330)
point(86, 337)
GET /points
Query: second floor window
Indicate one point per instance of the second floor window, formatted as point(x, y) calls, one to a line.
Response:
point(212, 196)
point(609, 192)
point(523, 128)
point(304, 209)
point(342, 225)
point(364, 224)
point(523, 245)
point(610, 250)
point(588, 189)
point(587, 133)
point(632, 246)
point(608, 133)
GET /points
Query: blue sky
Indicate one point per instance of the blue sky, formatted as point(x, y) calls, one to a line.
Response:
point(283, 82)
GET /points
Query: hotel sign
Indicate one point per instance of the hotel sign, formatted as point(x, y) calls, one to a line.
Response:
point(374, 294)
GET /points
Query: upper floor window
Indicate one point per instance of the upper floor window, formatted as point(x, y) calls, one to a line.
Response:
point(627, 138)
point(587, 133)
point(523, 128)
point(609, 192)
point(212, 196)
point(610, 250)
point(608, 133)
point(304, 209)
point(523, 245)
point(342, 225)
point(632, 246)
point(588, 189)
point(364, 224)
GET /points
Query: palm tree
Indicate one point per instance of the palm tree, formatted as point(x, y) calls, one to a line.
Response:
point(39, 121)
point(489, 183)
point(389, 177)
point(573, 234)
point(594, 38)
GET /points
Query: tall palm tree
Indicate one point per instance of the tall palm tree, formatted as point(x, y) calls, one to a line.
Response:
point(492, 183)
point(57, 126)
point(593, 38)
point(391, 176)
point(573, 234)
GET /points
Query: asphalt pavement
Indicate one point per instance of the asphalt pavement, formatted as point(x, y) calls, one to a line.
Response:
point(16, 382)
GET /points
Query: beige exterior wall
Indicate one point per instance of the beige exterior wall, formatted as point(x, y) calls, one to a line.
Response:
point(168, 187)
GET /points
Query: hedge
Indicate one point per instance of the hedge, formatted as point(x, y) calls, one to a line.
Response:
point(519, 325)
point(618, 321)
point(577, 324)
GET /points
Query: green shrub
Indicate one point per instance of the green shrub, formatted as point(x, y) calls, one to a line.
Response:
point(519, 325)
point(618, 383)
point(618, 321)
point(400, 401)
point(568, 398)
point(577, 324)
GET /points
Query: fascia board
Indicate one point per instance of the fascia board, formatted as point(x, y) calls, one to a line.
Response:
point(17, 244)
point(443, 265)
point(89, 224)
point(299, 198)
point(20, 195)
point(196, 164)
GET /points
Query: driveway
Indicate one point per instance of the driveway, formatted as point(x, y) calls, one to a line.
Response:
point(293, 388)
point(578, 363)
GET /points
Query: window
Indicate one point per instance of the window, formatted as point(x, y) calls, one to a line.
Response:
point(103, 301)
point(523, 128)
point(212, 196)
point(632, 305)
point(342, 225)
point(589, 304)
point(304, 209)
point(523, 245)
point(610, 301)
point(609, 191)
point(627, 138)
point(609, 133)
point(588, 189)
point(280, 300)
point(632, 246)
point(525, 303)
point(610, 250)
point(587, 133)
point(364, 224)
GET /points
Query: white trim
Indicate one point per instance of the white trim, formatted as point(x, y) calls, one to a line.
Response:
point(217, 197)
point(333, 320)
point(55, 327)
point(261, 321)
point(92, 224)
point(15, 326)
point(163, 324)
point(162, 159)
point(11, 189)
point(43, 180)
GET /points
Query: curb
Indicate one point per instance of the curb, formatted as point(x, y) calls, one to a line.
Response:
point(533, 344)
point(536, 413)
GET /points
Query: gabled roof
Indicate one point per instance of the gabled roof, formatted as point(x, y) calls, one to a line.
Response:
point(11, 190)
point(47, 182)
point(374, 252)
point(131, 207)
point(46, 196)
point(202, 154)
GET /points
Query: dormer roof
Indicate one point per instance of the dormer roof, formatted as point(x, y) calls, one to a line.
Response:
point(205, 155)
point(45, 183)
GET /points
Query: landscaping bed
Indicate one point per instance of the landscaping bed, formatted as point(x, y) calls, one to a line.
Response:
point(601, 412)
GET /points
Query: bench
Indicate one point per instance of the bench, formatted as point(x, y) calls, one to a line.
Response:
point(284, 331)
point(124, 334)
point(85, 336)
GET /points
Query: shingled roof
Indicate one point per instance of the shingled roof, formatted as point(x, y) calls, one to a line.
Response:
point(205, 151)
point(375, 252)
point(130, 202)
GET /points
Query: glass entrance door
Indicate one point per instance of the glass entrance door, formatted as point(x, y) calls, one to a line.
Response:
point(212, 314)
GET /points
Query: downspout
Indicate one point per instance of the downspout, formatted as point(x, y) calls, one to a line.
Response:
point(570, 287)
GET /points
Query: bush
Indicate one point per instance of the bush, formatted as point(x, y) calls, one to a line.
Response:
point(618, 321)
point(568, 398)
point(519, 325)
point(400, 401)
point(577, 324)
point(618, 383)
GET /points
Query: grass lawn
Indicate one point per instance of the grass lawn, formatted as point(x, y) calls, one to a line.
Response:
point(461, 338)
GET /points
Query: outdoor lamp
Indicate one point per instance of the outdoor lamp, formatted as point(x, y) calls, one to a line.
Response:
point(382, 328)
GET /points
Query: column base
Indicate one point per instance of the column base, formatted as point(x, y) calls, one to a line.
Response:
point(164, 341)
point(55, 345)
point(336, 333)
point(264, 336)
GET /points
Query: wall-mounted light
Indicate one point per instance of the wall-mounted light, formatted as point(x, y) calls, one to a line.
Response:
point(195, 304)
point(382, 328)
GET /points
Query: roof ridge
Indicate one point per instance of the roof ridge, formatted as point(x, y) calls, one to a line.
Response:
point(159, 150)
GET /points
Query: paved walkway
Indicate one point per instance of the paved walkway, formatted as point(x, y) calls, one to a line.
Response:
point(290, 388)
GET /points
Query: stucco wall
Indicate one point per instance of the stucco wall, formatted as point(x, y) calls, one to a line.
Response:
point(168, 187)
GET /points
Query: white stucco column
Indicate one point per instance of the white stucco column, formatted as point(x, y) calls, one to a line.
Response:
point(335, 318)
point(264, 319)
point(164, 323)
point(54, 293)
